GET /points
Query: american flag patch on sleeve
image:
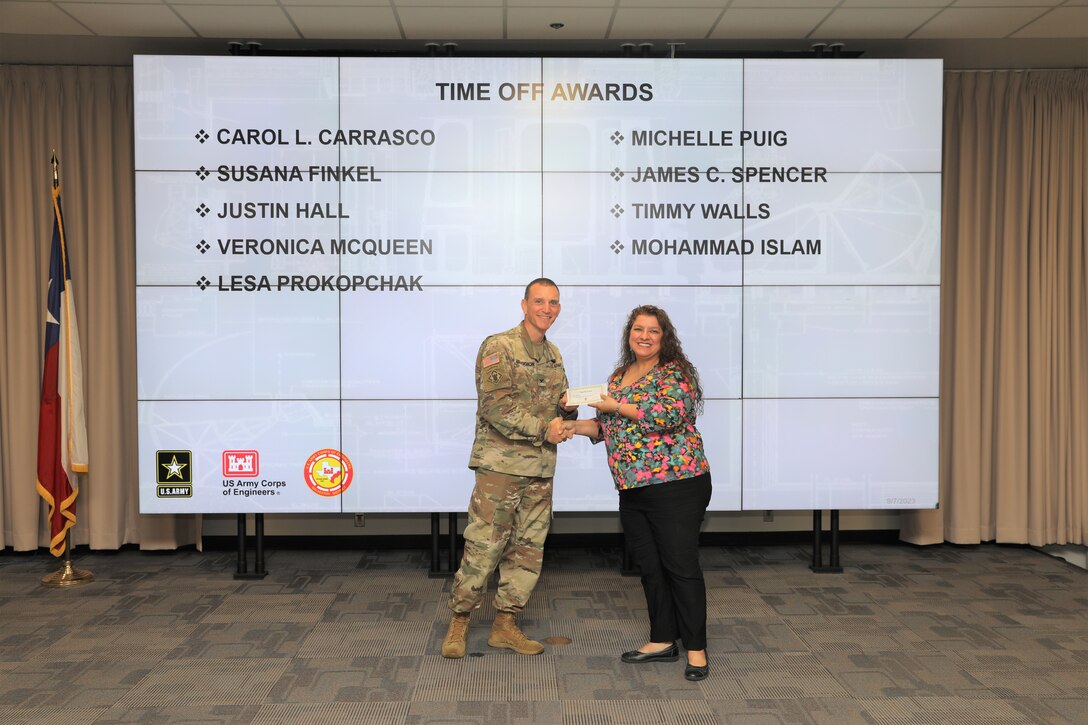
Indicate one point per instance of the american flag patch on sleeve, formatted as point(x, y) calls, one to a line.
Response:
point(489, 361)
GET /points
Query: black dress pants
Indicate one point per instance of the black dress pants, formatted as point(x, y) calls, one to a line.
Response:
point(661, 527)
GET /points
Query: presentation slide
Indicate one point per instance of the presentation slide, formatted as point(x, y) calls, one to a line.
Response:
point(323, 244)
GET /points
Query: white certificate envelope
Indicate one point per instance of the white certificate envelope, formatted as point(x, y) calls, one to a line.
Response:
point(586, 394)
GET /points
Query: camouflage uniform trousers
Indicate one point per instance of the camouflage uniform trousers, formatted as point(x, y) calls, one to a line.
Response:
point(508, 520)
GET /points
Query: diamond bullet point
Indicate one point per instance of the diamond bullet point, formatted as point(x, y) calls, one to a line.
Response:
point(202, 136)
point(617, 246)
point(616, 210)
point(617, 174)
point(203, 246)
point(617, 137)
point(203, 209)
point(203, 173)
point(203, 283)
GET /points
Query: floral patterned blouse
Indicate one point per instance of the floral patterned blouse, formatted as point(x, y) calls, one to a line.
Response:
point(663, 444)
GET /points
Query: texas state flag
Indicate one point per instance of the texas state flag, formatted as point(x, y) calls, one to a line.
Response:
point(62, 432)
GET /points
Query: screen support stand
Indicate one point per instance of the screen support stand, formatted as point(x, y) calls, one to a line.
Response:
point(436, 571)
point(258, 560)
point(817, 565)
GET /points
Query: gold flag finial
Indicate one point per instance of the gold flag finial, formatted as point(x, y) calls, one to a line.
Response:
point(56, 177)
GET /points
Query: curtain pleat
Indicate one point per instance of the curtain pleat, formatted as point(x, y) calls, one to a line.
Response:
point(1014, 407)
point(85, 114)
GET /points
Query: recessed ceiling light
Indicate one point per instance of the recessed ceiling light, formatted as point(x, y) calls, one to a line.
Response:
point(556, 26)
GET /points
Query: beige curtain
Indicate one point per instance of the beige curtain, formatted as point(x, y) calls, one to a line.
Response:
point(1014, 356)
point(1014, 404)
point(85, 113)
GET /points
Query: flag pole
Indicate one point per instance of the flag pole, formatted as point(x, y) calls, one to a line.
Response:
point(67, 575)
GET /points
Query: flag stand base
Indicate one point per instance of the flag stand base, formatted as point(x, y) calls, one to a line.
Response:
point(67, 576)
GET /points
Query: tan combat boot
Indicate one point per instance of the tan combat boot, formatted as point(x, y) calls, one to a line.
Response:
point(453, 646)
point(505, 634)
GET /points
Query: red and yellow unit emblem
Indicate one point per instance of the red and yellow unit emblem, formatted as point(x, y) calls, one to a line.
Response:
point(328, 472)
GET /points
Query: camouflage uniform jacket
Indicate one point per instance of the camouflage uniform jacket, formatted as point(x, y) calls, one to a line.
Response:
point(517, 396)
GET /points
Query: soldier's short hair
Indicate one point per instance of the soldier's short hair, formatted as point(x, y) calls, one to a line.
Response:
point(539, 280)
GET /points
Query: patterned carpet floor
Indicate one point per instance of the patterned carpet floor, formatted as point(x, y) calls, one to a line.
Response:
point(984, 634)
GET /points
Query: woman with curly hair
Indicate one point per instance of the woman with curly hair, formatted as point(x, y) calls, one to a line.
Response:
point(655, 453)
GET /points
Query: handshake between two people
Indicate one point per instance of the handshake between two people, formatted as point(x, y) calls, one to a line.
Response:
point(560, 430)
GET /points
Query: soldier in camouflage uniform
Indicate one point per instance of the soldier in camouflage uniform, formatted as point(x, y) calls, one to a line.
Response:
point(520, 384)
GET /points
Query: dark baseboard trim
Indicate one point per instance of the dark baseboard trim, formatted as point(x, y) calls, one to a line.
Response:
point(610, 540)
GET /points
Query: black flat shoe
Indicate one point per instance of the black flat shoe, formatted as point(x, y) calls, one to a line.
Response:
point(669, 654)
point(695, 673)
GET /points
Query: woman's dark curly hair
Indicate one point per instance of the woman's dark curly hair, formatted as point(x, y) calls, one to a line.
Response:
point(671, 350)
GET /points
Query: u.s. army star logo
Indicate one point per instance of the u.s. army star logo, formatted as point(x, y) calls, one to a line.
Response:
point(173, 467)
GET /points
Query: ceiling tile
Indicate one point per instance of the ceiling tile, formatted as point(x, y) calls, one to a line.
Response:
point(666, 6)
point(873, 23)
point(1005, 3)
point(451, 23)
point(673, 24)
point(289, 4)
point(564, 3)
point(148, 21)
point(220, 2)
point(107, 2)
point(898, 3)
point(34, 18)
point(1067, 22)
point(447, 3)
point(771, 23)
point(234, 21)
point(977, 23)
point(344, 22)
point(773, 4)
point(578, 23)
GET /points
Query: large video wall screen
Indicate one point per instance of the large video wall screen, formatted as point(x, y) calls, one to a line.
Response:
point(323, 243)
